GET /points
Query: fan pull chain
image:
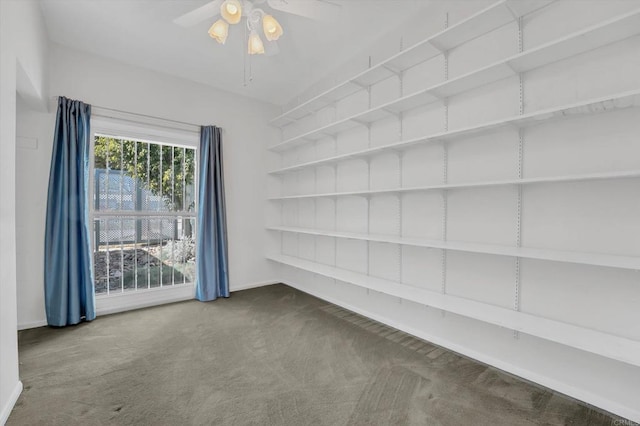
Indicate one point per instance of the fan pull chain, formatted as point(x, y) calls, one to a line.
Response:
point(246, 59)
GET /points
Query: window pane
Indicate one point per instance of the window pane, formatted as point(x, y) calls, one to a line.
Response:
point(190, 195)
point(114, 173)
point(124, 263)
point(157, 248)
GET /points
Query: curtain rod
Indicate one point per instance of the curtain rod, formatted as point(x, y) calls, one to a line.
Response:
point(101, 111)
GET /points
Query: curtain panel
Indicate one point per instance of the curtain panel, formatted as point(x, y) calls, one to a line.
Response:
point(68, 281)
point(212, 272)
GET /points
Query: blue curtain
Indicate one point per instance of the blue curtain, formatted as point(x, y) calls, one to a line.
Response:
point(68, 280)
point(212, 276)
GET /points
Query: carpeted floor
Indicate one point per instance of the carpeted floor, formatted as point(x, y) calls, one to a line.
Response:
point(268, 356)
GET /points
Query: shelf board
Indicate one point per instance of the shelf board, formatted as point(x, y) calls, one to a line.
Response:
point(482, 22)
point(597, 342)
point(465, 185)
point(593, 259)
point(599, 35)
point(607, 32)
point(602, 104)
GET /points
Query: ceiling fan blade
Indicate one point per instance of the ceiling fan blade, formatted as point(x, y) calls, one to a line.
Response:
point(321, 10)
point(208, 11)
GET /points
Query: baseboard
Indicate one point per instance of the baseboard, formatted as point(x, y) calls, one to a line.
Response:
point(32, 324)
point(13, 398)
point(562, 387)
point(128, 301)
point(254, 285)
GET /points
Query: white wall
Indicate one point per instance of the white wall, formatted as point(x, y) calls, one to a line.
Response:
point(597, 217)
point(33, 130)
point(22, 69)
point(109, 84)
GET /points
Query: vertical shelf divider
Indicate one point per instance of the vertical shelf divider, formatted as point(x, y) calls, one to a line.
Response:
point(368, 196)
point(445, 173)
point(315, 209)
point(518, 284)
point(335, 206)
point(400, 167)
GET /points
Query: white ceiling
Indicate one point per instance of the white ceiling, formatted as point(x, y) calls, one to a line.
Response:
point(142, 33)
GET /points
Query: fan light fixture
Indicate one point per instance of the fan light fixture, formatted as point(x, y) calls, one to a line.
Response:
point(219, 31)
point(231, 11)
point(271, 27)
point(255, 44)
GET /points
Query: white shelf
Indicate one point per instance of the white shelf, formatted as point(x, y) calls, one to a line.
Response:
point(486, 20)
point(597, 342)
point(591, 106)
point(529, 181)
point(594, 259)
point(599, 35)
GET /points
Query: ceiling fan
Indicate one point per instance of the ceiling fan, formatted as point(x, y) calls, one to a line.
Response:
point(233, 11)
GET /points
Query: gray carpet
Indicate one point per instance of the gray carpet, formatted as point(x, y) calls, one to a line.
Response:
point(268, 356)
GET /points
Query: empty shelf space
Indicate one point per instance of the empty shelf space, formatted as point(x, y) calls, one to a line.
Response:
point(451, 186)
point(592, 106)
point(482, 22)
point(595, 259)
point(600, 343)
point(599, 35)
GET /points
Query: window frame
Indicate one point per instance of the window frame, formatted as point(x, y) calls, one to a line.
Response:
point(148, 130)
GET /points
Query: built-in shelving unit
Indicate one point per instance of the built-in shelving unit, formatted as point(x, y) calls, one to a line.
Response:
point(615, 347)
point(596, 259)
point(599, 35)
point(465, 185)
point(591, 106)
point(604, 33)
point(490, 18)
